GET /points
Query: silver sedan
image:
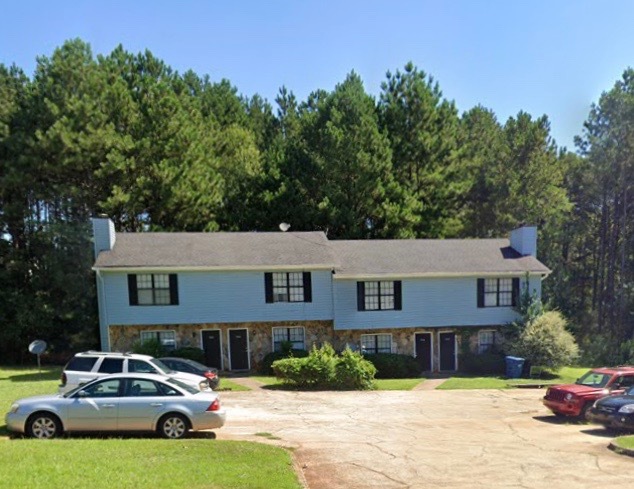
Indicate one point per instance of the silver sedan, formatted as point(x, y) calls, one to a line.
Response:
point(120, 402)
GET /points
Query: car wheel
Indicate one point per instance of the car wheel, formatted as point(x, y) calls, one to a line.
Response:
point(43, 426)
point(584, 411)
point(173, 426)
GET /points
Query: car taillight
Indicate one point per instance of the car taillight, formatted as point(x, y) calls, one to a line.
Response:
point(214, 406)
point(64, 378)
point(210, 375)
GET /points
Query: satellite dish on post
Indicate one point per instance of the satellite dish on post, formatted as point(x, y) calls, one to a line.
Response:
point(38, 347)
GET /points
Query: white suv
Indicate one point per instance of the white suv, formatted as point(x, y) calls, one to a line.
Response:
point(89, 365)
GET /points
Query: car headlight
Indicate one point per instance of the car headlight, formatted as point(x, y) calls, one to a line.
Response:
point(14, 408)
point(627, 409)
point(568, 397)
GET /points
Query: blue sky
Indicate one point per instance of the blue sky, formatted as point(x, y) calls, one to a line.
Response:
point(545, 57)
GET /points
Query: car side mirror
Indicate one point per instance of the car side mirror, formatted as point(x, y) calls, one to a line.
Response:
point(82, 394)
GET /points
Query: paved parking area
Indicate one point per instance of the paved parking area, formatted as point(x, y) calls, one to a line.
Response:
point(449, 439)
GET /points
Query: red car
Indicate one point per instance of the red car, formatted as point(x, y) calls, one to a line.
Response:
point(576, 399)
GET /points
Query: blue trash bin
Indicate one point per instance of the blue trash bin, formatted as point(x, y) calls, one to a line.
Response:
point(514, 366)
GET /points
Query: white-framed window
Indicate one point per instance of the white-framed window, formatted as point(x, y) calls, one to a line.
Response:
point(376, 343)
point(166, 338)
point(486, 340)
point(288, 287)
point(498, 292)
point(383, 295)
point(153, 289)
point(293, 334)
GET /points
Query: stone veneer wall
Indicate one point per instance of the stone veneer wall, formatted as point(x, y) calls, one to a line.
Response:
point(122, 338)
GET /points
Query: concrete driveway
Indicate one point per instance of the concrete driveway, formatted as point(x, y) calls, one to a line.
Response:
point(465, 439)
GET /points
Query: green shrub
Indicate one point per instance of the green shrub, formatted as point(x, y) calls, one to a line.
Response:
point(394, 366)
point(319, 367)
point(545, 342)
point(323, 369)
point(484, 363)
point(190, 352)
point(152, 347)
point(352, 371)
point(266, 368)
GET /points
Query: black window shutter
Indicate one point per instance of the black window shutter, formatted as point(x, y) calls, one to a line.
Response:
point(516, 292)
point(268, 287)
point(480, 292)
point(173, 289)
point(398, 296)
point(308, 288)
point(133, 294)
point(360, 296)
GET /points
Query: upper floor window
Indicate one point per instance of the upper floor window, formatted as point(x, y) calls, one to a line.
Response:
point(498, 292)
point(288, 287)
point(153, 289)
point(379, 296)
point(293, 335)
point(376, 343)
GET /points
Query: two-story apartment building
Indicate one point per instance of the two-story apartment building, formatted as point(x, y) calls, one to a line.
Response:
point(238, 296)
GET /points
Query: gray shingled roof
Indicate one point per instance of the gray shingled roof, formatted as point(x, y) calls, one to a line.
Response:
point(218, 250)
point(313, 250)
point(431, 257)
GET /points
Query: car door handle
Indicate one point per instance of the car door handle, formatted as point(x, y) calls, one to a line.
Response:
point(156, 404)
point(107, 405)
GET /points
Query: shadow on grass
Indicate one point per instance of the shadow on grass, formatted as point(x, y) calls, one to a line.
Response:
point(194, 435)
point(48, 374)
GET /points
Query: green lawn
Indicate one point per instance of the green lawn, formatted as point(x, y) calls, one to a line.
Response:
point(130, 461)
point(565, 375)
point(228, 385)
point(381, 384)
point(624, 442)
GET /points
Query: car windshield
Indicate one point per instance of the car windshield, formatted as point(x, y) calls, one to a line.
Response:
point(161, 366)
point(182, 385)
point(594, 379)
point(198, 365)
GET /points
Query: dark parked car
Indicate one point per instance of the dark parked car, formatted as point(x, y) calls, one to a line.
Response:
point(614, 411)
point(193, 367)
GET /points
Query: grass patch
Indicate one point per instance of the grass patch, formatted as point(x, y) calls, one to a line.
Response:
point(267, 435)
point(566, 375)
point(270, 382)
point(626, 442)
point(228, 385)
point(267, 380)
point(142, 462)
point(397, 384)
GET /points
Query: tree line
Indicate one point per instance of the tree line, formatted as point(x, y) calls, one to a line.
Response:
point(125, 135)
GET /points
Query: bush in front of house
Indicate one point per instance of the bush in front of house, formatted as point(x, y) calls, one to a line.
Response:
point(352, 371)
point(394, 365)
point(544, 341)
point(266, 368)
point(482, 363)
point(152, 347)
point(189, 352)
point(324, 369)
